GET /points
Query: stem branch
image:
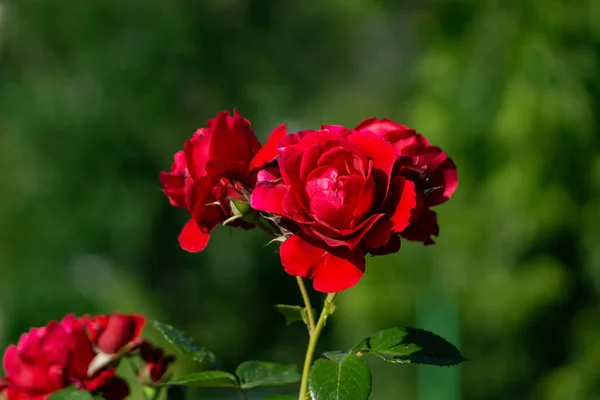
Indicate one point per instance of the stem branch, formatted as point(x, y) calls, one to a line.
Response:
point(309, 309)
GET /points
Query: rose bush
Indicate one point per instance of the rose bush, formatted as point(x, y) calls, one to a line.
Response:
point(343, 193)
point(211, 171)
point(330, 196)
point(60, 354)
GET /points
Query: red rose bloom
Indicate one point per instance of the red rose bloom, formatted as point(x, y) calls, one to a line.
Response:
point(344, 193)
point(341, 197)
point(53, 357)
point(432, 170)
point(112, 333)
point(213, 169)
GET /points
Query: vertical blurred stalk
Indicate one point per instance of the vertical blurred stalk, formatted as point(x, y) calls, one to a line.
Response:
point(438, 312)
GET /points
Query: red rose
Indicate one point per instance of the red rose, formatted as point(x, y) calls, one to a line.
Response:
point(112, 333)
point(212, 170)
point(341, 196)
point(156, 363)
point(53, 357)
point(432, 170)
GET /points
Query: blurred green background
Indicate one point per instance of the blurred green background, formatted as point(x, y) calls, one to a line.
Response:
point(96, 96)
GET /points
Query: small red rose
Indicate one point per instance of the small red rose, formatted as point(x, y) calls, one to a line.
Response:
point(211, 171)
point(54, 357)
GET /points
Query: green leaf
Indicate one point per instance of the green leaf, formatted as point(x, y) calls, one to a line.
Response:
point(337, 355)
point(71, 393)
point(347, 379)
point(293, 313)
point(206, 379)
point(262, 373)
point(280, 397)
point(410, 345)
point(186, 345)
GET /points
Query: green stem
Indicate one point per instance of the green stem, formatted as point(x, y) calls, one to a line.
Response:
point(242, 393)
point(312, 344)
point(309, 309)
point(149, 392)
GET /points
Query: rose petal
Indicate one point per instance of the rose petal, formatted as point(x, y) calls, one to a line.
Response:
point(337, 129)
point(332, 271)
point(333, 199)
point(392, 246)
point(290, 160)
point(225, 147)
point(191, 238)
point(443, 176)
point(196, 154)
point(423, 228)
point(404, 191)
point(82, 351)
point(310, 159)
point(118, 330)
point(115, 389)
point(366, 198)
point(379, 126)
point(199, 196)
point(342, 159)
point(349, 238)
point(269, 151)
point(174, 182)
point(232, 139)
point(98, 380)
point(24, 374)
point(305, 139)
point(401, 136)
point(340, 271)
point(268, 197)
point(379, 234)
point(384, 156)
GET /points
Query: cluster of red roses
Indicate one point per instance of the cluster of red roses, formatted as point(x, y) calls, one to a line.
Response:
point(82, 352)
point(334, 194)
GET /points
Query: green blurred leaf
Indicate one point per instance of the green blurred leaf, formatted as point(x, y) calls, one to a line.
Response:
point(280, 397)
point(293, 313)
point(186, 344)
point(206, 379)
point(71, 393)
point(346, 379)
point(262, 373)
point(410, 345)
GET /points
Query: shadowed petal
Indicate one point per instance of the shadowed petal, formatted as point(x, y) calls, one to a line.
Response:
point(423, 228)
